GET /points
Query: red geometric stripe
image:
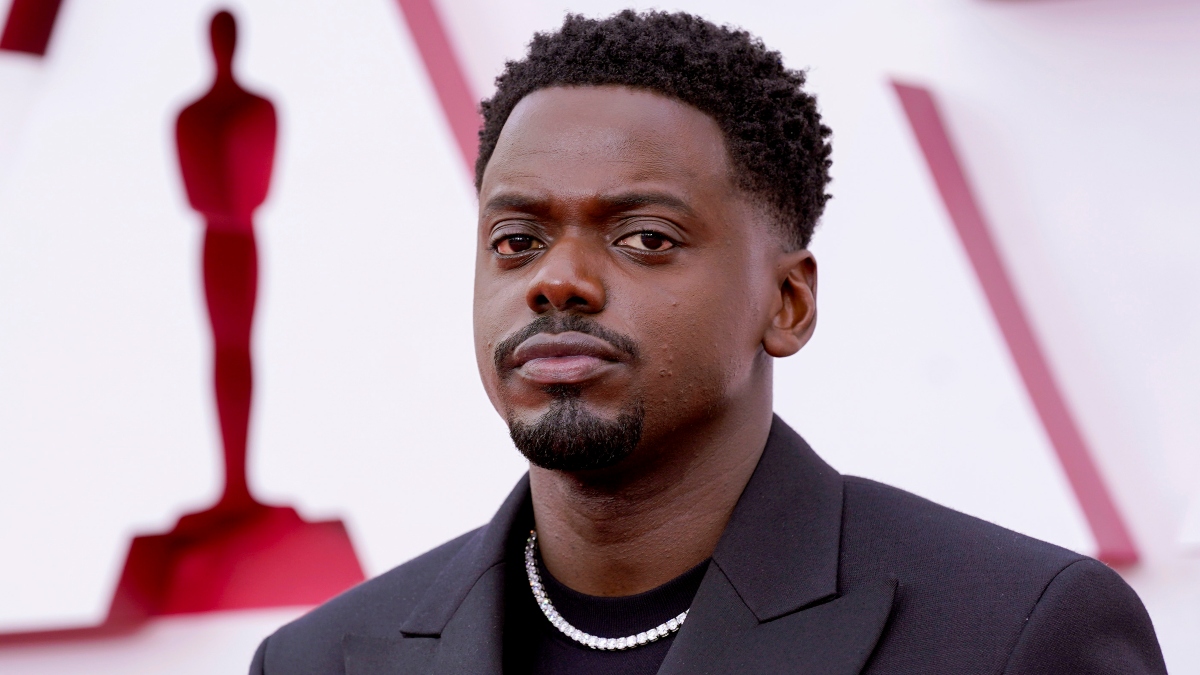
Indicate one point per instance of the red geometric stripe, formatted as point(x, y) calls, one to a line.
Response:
point(1116, 546)
point(459, 104)
point(29, 25)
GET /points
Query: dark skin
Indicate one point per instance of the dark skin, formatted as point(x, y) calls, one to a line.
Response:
point(621, 206)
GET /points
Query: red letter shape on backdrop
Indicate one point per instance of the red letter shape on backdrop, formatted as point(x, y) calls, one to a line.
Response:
point(459, 105)
point(1116, 546)
point(29, 25)
point(240, 553)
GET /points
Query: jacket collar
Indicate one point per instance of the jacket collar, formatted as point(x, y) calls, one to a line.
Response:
point(772, 603)
point(457, 626)
point(484, 551)
point(780, 548)
point(771, 597)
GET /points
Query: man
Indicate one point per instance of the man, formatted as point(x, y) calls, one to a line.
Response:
point(648, 185)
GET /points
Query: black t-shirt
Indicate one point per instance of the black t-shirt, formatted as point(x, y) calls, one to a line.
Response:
point(534, 647)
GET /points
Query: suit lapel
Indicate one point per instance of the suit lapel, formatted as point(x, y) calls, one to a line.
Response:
point(457, 626)
point(780, 548)
point(470, 642)
point(771, 601)
point(835, 637)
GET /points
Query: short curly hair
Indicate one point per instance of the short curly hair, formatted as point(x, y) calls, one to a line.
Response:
point(777, 145)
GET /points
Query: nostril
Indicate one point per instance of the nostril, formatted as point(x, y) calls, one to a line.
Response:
point(541, 301)
point(576, 301)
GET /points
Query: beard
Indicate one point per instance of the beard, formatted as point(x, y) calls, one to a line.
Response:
point(569, 438)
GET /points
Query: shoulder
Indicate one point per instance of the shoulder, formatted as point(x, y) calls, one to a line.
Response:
point(898, 526)
point(969, 592)
point(377, 607)
point(1088, 620)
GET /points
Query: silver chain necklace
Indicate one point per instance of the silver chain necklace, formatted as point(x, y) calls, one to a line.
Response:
point(587, 640)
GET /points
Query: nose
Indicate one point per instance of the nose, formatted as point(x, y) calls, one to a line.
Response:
point(567, 279)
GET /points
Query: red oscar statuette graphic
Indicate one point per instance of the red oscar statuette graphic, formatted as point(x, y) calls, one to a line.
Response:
point(239, 553)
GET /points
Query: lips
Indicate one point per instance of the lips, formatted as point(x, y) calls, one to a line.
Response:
point(564, 358)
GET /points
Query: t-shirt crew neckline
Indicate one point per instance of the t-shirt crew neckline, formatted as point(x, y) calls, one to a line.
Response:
point(621, 616)
point(534, 647)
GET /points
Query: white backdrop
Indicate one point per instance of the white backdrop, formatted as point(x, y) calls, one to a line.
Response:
point(1075, 120)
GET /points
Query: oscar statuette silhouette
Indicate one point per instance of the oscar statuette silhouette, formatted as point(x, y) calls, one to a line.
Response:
point(239, 553)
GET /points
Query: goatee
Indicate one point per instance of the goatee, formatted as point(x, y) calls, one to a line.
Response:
point(569, 438)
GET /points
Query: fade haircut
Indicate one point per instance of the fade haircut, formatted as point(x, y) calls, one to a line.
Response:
point(777, 146)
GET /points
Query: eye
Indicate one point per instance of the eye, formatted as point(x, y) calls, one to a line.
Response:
point(517, 243)
point(647, 241)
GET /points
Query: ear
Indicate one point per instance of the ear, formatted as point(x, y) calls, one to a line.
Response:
point(796, 306)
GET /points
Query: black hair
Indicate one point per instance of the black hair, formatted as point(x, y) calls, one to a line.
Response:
point(778, 148)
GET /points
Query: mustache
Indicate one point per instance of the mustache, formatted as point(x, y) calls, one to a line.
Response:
point(562, 323)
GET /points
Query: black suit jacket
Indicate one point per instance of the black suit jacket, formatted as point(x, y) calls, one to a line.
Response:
point(815, 573)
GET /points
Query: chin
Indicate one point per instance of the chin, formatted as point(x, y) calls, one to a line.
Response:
point(570, 436)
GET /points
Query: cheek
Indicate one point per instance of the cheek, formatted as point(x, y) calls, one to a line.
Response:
point(489, 312)
point(698, 341)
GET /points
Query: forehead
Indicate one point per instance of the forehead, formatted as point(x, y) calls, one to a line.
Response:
point(600, 139)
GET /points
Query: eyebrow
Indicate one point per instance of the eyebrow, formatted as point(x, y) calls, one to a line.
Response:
point(628, 201)
point(615, 203)
point(515, 202)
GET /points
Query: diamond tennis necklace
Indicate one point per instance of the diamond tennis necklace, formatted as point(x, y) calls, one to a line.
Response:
point(587, 640)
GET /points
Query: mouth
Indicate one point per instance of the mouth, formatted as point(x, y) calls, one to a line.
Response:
point(564, 358)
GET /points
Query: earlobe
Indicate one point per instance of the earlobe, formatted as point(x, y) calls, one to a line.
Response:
point(796, 317)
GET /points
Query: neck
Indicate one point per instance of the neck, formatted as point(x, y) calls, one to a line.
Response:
point(636, 529)
point(223, 77)
point(226, 225)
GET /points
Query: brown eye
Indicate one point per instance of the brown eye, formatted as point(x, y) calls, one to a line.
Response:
point(647, 241)
point(517, 243)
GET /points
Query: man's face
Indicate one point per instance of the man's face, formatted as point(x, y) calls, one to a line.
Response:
point(623, 283)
